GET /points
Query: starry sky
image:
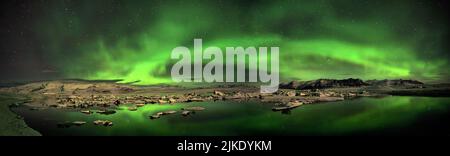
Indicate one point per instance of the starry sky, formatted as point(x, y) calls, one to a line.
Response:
point(132, 39)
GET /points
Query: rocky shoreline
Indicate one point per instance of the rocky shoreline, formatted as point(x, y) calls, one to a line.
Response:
point(11, 123)
point(84, 94)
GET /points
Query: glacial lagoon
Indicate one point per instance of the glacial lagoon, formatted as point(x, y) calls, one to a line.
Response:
point(391, 115)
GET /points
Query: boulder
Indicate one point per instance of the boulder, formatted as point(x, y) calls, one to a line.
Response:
point(157, 115)
point(105, 123)
point(162, 101)
point(186, 113)
point(61, 106)
point(303, 94)
point(288, 106)
point(194, 108)
point(290, 93)
point(154, 116)
point(117, 102)
point(132, 108)
point(78, 123)
point(280, 108)
point(171, 100)
point(218, 93)
point(140, 105)
point(106, 112)
point(86, 111)
point(195, 100)
point(294, 104)
point(169, 112)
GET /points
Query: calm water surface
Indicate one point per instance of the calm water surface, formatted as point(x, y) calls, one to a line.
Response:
point(393, 115)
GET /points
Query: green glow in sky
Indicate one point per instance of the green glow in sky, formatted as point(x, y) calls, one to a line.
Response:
point(132, 40)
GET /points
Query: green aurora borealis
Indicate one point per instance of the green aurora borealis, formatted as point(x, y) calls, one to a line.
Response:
point(132, 40)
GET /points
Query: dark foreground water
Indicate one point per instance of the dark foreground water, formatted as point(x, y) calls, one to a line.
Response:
point(395, 115)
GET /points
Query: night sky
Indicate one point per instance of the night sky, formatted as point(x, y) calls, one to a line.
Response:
point(132, 40)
